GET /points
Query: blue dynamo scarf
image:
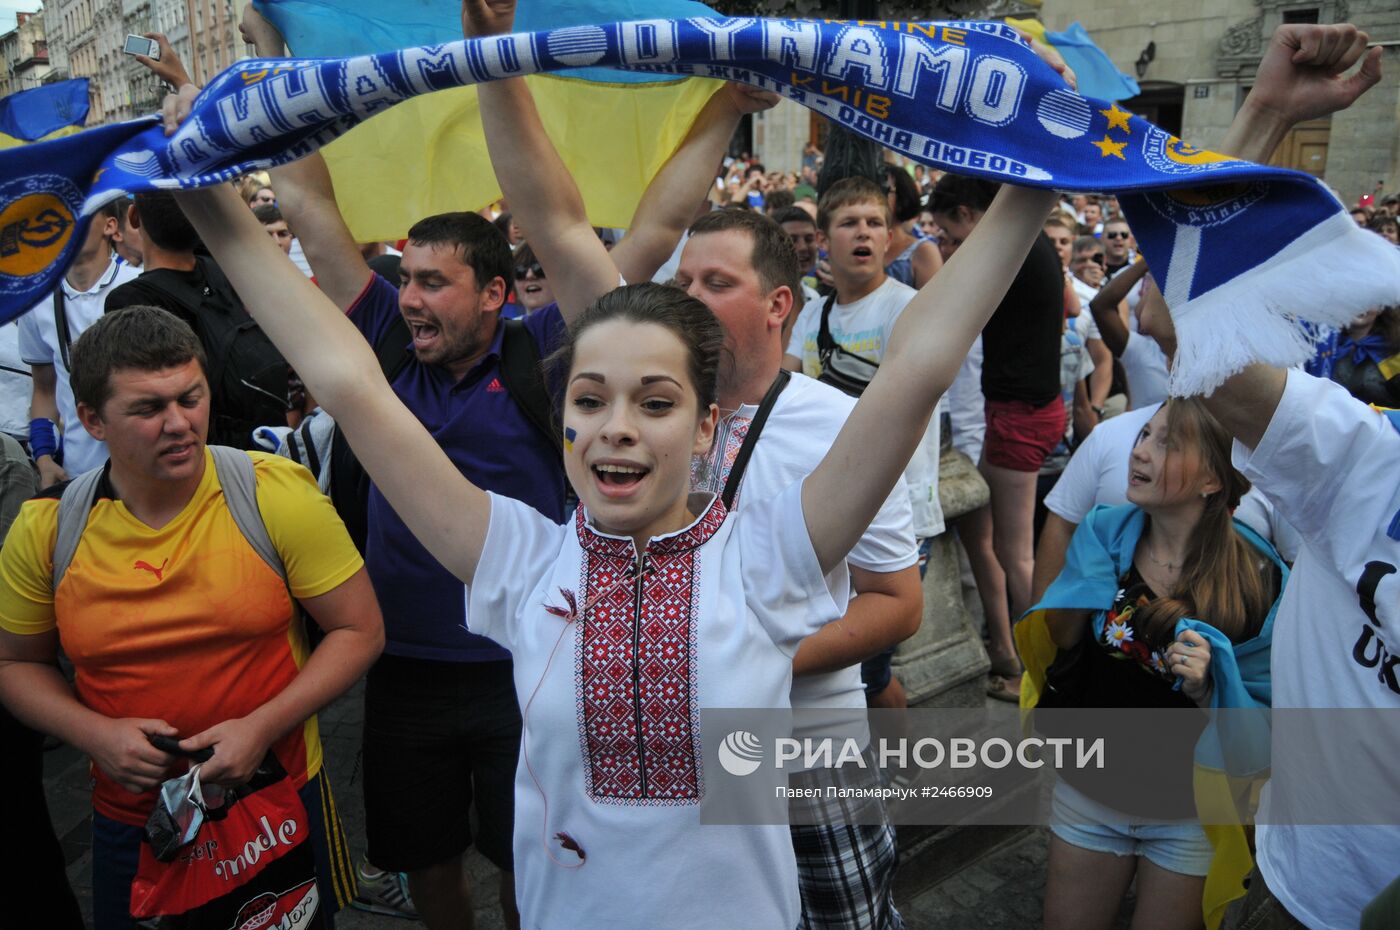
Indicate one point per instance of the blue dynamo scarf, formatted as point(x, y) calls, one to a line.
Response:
point(1242, 262)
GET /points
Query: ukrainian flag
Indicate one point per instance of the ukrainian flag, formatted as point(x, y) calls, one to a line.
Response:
point(613, 129)
point(1097, 75)
point(47, 112)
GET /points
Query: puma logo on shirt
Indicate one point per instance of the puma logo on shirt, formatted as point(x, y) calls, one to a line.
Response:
point(148, 567)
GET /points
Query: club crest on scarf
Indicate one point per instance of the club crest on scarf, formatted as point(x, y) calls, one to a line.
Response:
point(1243, 263)
point(36, 226)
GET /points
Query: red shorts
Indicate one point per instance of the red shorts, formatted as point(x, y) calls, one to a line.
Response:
point(1019, 436)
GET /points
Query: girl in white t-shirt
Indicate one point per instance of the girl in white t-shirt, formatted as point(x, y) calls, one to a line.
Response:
point(653, 603)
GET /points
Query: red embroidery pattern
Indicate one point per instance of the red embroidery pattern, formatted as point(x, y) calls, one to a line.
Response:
point(709, 472)
point(636, 673)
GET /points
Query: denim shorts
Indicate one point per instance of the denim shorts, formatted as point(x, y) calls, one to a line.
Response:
point(1080, 821)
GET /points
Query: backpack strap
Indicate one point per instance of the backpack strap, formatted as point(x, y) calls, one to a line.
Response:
point(741, 461)
point(237, 476)
point(825, 344)
point(60, 322)
point(524, 379)
point(393, 350)
point(234, 471)
point(348, 486)
point(73, 509)
point(308, 442)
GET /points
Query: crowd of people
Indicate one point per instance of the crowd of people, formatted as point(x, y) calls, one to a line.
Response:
point(552, 489)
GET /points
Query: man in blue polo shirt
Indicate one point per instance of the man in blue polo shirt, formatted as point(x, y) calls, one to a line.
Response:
point(442, 727)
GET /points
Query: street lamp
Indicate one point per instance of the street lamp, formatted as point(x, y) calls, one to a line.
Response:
point(1145, 59)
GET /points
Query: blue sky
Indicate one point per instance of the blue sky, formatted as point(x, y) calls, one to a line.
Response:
point(8, 8)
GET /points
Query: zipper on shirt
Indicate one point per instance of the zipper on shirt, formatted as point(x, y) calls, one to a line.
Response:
point(640, 568)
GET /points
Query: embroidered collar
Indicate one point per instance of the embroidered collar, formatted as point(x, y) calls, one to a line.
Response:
point(693, 536)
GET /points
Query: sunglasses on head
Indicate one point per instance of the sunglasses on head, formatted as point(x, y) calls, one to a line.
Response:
point(524, 271)
point(1117, 235)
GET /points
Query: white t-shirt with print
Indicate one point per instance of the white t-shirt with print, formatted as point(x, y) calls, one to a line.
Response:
point(863, 328)
point(38, 345)
point(1331, 466)
point(724, 604)
point(801, 427)
point(1097, 475)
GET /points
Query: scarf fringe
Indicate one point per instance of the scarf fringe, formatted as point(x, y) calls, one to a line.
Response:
point(1327, 277)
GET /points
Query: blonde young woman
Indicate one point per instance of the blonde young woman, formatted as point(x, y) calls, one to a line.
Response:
point(1147, 587)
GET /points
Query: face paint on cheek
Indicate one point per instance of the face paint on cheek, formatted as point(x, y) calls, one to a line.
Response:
point(569, 436)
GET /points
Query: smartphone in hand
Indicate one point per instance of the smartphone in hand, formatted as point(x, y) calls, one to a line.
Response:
point(172, 745)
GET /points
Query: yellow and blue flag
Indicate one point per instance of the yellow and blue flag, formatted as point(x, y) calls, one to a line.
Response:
point(613, 129)
point(1098, 76)
point(48, 112)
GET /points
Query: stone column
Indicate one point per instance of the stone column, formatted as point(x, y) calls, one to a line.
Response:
point(947, 650)
point(779, 135)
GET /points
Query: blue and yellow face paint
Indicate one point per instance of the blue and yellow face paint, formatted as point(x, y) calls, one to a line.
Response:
point(569, 436)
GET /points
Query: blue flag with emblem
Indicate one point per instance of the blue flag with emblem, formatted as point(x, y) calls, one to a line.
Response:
point(1244, 253)
point(30, 115)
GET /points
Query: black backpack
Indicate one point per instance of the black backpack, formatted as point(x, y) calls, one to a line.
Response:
point(247, 375)
point(520, 372)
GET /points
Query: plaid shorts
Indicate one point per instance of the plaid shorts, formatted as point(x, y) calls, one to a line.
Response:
point(845, 871)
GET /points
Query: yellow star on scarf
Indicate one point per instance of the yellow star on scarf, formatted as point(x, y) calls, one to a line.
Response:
point(1118, 119)
point(1108, 147)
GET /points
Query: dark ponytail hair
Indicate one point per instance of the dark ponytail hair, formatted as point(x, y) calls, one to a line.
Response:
point(907, 202)
point(662, 305)
point(1221, 580)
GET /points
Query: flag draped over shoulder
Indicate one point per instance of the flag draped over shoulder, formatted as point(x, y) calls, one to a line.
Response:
point(47, 112)
point(613, 129)
point(1232, 754)
point(1245, 254)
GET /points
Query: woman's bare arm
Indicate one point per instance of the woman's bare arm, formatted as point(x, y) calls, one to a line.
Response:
point(445, 511)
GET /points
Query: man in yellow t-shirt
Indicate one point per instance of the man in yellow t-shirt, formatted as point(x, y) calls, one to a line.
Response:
point(175, 626)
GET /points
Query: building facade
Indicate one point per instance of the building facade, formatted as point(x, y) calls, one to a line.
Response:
point(86, 39)
point(1196, 59)
point(24, 55)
